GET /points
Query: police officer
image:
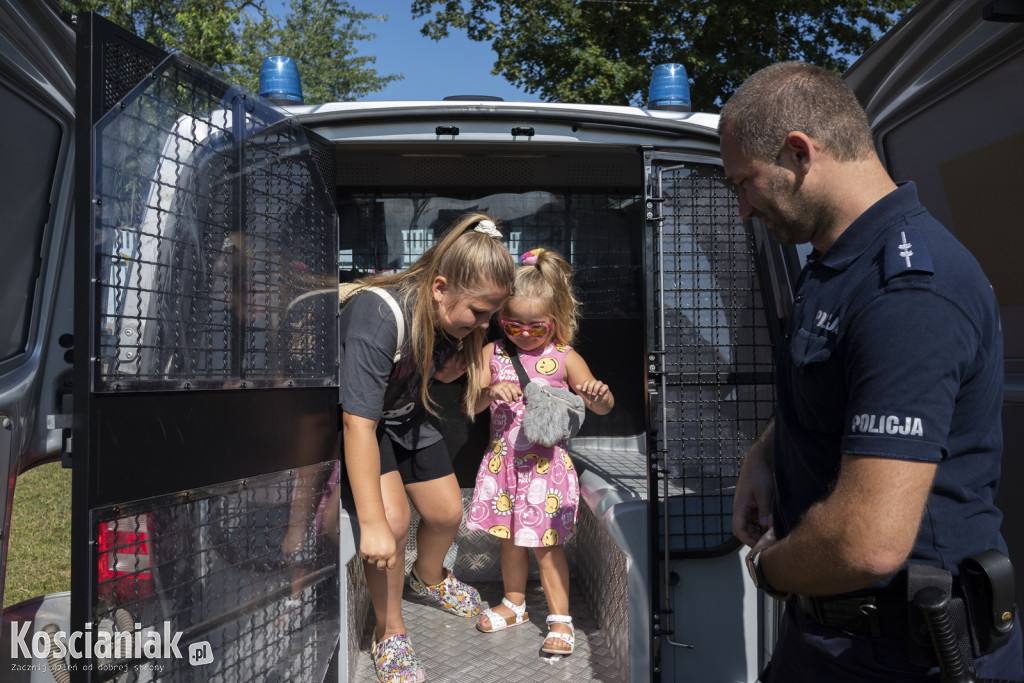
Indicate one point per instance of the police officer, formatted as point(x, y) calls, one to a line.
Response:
point(883, 457)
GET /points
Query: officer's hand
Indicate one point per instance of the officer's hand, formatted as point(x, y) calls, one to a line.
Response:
point(752, 502)
point(767, 540)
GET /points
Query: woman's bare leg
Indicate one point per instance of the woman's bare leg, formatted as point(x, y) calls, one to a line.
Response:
point(439, 502)
point(386, 586)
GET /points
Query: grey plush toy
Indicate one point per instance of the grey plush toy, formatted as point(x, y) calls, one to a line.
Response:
point(552, 415)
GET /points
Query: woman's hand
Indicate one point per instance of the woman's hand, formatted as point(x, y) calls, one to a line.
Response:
point(362, 459)
point(377, 544)
point(504, 391)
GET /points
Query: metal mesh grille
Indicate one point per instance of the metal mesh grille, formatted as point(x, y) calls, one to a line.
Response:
point(213, 237)
point(718, 357)
point(323, 157)
point(211, 565)
point(123, 67)
point(465, 171)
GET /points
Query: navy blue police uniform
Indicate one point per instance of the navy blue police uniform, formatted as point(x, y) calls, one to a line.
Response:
point(893, 350)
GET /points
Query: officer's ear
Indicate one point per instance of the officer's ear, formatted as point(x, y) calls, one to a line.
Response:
point(799, 152)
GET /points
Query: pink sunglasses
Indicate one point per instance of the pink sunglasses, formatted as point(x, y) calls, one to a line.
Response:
point(514, 329)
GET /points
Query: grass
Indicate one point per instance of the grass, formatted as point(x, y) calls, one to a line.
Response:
point(39, 551)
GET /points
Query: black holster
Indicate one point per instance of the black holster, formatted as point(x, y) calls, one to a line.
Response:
point(987, 582)
point(953, 627)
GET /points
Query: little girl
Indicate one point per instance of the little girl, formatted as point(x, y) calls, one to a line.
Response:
point(526, 494)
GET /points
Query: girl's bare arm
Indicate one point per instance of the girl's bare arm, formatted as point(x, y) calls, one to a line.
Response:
point(594, 392)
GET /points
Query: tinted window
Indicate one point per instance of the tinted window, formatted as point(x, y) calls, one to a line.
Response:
point(963, 152)
point(30, 140)
point(595, 230)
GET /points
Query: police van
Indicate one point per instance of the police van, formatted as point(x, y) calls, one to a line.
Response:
point(172, 250)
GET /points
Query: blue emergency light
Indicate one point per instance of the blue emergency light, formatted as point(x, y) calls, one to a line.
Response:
point(670, 89)
point(279, 81)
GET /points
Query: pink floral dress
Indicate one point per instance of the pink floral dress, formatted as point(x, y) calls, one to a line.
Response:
point(525, 491)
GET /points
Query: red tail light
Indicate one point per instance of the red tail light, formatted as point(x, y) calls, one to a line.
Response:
point(124, 567)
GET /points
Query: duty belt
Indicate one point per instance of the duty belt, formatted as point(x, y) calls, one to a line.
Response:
point(879, 616)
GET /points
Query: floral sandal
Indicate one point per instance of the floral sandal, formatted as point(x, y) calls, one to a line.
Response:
point(499, 623)
point(568, 640)
point(451, 594)
point(395, 661)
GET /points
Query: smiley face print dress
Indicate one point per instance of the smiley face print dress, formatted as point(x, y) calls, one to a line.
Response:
point(525, 491)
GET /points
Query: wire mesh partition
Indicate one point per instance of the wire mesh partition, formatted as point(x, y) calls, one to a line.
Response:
point(596, 231)
point(238, 577)
point(718, 362)
point(214, 237)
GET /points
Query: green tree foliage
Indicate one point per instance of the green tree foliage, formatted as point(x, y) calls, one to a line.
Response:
point(320, 35)
point(603, 51)
point(203, 29)
point(233, 36)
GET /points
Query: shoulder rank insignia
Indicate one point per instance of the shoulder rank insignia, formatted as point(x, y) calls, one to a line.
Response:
point(907, 252)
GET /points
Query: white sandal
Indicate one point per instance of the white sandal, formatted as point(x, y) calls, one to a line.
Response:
point(498, 622)
point(568, 638)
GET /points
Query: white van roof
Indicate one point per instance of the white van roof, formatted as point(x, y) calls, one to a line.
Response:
point(700, 124)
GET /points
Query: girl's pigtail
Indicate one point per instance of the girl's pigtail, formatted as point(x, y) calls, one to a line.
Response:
point(545, 275)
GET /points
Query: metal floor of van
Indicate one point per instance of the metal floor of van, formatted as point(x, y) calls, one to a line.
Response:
point(453, 650)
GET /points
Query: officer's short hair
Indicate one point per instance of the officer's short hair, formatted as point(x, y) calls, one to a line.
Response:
point(797, 96)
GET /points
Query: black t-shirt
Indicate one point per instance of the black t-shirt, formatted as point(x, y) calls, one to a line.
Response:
point(372, 384)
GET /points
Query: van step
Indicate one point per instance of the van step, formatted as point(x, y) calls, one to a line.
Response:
point(452, 649)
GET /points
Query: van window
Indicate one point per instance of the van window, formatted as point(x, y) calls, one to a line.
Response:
point(31, 140)
point(596, 230)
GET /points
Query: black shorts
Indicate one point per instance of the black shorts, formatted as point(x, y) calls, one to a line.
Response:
point(414, 465)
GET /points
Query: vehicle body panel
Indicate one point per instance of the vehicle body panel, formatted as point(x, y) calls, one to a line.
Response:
point(37, 97)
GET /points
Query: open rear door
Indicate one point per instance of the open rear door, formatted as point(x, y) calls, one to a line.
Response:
point(944, 93)
point(715, 283)
point(205, 420)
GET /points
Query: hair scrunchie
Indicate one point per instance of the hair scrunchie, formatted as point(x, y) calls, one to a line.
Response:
point(530, 257)
point(488, 228)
